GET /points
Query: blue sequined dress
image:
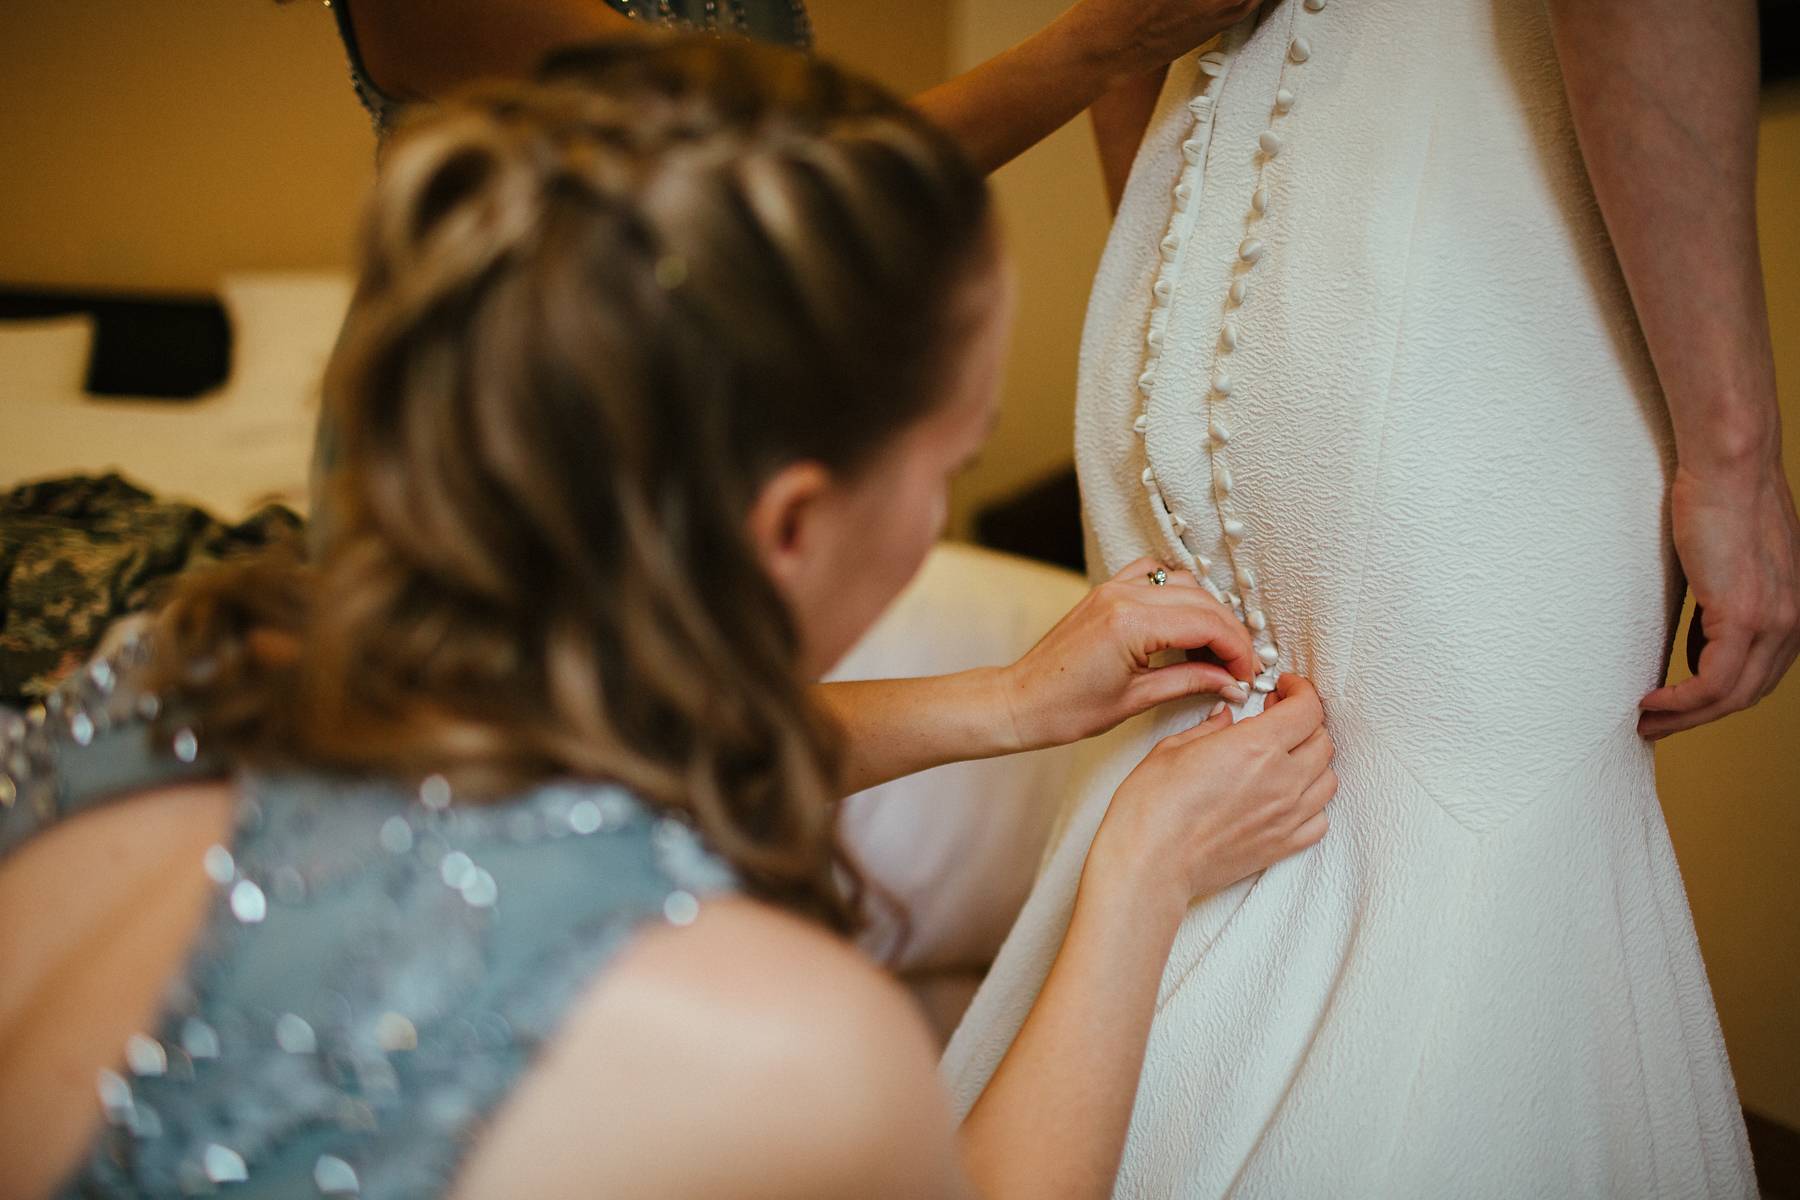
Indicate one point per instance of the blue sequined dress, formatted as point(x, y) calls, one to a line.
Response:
point(377, 970)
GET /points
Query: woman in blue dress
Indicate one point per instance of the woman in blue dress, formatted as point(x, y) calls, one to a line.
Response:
point(492, 853)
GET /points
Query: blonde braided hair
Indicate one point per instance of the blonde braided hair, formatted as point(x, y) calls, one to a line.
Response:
point(596, 311)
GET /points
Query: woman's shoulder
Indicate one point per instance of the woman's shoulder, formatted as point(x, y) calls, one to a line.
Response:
point(748, 1054)
point(98, 736)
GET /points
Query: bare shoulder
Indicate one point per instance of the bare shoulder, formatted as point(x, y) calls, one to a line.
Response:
point(749, 1055)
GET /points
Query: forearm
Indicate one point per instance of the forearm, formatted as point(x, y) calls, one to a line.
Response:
point(1664, 99)
point(1052, 1122)
point(895, 727)
point(1119, 116)
point(1012, 101)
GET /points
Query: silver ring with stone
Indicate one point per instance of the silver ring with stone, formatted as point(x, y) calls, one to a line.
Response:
point(1158, 577)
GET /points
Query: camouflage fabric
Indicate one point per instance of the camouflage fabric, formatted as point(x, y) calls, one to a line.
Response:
point(79, 552)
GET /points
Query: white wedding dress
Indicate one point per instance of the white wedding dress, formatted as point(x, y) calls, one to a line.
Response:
point(1360, 353)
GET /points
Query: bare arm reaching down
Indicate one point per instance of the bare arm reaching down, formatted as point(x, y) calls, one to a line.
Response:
point(1664, 96)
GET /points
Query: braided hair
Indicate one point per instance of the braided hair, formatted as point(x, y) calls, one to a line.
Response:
point(596, 312)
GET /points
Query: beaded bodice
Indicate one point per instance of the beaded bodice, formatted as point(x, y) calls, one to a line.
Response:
point(378, 967)
point(781, 21)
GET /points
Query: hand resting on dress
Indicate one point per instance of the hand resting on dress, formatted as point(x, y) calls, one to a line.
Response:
point(1223, 800)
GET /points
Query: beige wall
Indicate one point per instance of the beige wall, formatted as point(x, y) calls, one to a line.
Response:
point(1053, 207)
point(906, 46)
point(157, 146)
point(147, 149)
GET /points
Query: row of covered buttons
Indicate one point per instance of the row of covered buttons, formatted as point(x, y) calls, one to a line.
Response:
point(1250, 251)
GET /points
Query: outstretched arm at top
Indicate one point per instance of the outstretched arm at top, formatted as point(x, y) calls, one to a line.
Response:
point(1664, 98)
point(418, 49)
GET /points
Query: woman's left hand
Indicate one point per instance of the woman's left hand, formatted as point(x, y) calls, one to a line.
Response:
point(1094, 670)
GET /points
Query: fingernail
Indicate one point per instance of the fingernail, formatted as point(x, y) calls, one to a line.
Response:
point(1236, 692)
point(1217, 708)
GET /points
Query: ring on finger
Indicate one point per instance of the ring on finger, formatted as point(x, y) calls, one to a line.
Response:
point(1158, 577)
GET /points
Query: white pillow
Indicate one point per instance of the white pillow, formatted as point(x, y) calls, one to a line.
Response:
point(45, 358)
point(959, 846)
point(284, 325)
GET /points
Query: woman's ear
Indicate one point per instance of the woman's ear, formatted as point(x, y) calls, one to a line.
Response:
point(786, 524)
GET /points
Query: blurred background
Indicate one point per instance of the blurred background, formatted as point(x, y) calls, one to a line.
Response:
point(209, 157)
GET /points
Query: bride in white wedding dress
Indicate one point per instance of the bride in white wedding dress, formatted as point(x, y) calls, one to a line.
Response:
point(1360, 356)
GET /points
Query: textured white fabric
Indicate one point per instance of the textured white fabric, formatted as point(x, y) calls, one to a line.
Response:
point(1449, 457)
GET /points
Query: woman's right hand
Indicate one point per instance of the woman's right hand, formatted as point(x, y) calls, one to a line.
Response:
point(1223, 800)
point(1146, 35)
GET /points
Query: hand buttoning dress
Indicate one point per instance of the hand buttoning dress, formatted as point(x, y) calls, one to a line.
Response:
point(1359, 353)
